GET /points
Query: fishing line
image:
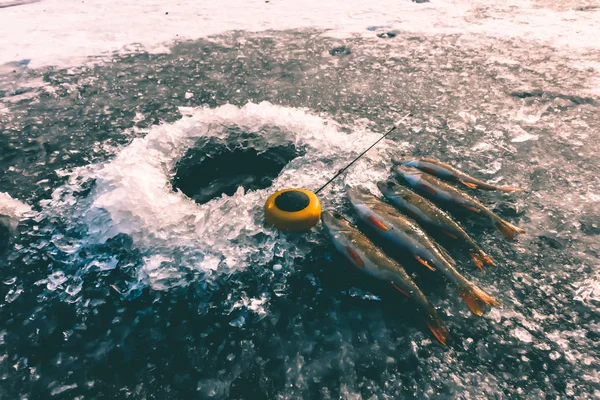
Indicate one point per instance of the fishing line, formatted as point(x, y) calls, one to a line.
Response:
point(341, 171)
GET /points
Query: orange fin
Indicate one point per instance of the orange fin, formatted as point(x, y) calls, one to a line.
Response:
point(509, 230)
point(419, 259)
point(401, 290)
point(477, 259)
point(476, 299)
point(452, 235)
point(488, 260)
point(439, 330)
point(430, 189)
point(472, 208)
point(468, 184)
point(378, 224)
point(355, 257)
point(509, 189)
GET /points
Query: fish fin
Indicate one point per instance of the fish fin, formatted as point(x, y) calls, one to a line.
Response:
point(430, 189)
point(487, 259)
point(509, 230)
point(430, 171)
point(412, 215)
point(378, 224)
point(439, 330)
point(509, 189)
point(355, 257)
point(477, 259)
point(419, 259)
point(476, 299)
point(480, 257)
point(446, 254)
point(452, 235)
point(468, 184)
point(398, 288)
point(472, 208)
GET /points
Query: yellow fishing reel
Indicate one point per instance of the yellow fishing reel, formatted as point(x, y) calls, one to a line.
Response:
point(293, 210)
point(298, 210)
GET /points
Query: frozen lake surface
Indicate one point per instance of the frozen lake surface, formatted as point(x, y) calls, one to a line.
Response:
point(115, 284)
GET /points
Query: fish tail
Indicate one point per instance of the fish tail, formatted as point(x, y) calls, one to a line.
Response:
point(480, 258)
point(468, 184)
point(488, 260)
point(476, 299)
point(509, 189)
point(477, 259)
point(508, 229)
point(438, 328)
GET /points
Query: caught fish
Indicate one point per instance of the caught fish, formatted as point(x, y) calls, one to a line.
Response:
point(426, 213)
point(449, 173)
point(396, 228)
point(364, 255)
point(440, 190)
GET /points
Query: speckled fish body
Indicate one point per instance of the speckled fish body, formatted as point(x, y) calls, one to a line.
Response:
point(441, 191)
point(367, 257)
point(450, 173)
point(428, 214)
point(400, 230)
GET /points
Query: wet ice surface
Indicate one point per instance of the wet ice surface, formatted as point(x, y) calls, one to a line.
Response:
point(120, 286)
point(43, 32)
point(11, 213)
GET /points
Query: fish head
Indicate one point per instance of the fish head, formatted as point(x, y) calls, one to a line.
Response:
point(360, 200)
point(393, 189)
point(405, 161)
point(334, 222)
point(410, 175)
point(359, 196)
point(365, 204)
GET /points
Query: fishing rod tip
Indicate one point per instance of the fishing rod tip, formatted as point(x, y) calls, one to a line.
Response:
point(397, 124)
